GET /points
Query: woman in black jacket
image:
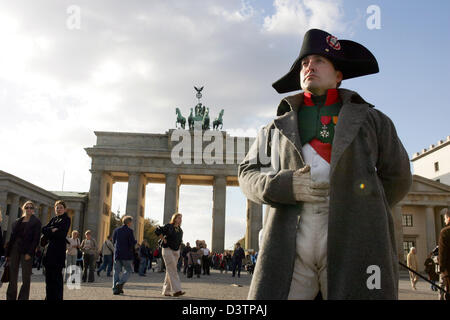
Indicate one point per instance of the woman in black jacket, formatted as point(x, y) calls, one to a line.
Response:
point(55, 232)
point(20, 251)
point(171, 236)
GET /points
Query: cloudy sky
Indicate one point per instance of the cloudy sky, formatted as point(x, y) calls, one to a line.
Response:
point(68, 68)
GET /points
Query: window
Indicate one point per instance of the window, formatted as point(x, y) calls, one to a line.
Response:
point(436, 166)
point(407, 220)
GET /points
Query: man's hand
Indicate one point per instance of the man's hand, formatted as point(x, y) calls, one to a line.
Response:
point(27, 257)
point(306, 190)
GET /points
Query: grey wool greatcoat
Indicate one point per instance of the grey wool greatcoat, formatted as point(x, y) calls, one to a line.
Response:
point(369, 174)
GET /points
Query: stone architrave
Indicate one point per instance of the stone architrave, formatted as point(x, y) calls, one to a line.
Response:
point(254, 225)
point(397, 217)
point(430, 228)
point(218, 218)
point(171, 196)
point(136, 202)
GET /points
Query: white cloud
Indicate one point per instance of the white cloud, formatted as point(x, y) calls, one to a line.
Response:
point(245, 12)
point(293, 17)
point(126, 70)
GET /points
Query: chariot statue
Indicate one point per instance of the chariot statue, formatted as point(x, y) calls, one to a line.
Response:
point(200, 115)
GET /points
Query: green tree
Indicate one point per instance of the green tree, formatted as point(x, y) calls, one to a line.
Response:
point(150, 226)
point(115, 222)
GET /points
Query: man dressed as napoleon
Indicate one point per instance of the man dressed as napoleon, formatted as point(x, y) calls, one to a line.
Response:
point(330, 166)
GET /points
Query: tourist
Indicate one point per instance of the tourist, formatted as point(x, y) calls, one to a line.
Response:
point(205, 259)
point(107, 253)
point(444, 256)
point(89, 248)
point(237, 257)
point(411, 260)
point(71, 253)
point(2, 248)
point(136, 258)
point(124, 242)
point(184, 254)
point(54, 259)
point(20, 251)
point(143, 256)
point(194, 261)
point(430, 269)
point(228, 262)
point(171, 236)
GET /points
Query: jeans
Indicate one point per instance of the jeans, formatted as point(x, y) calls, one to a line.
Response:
point(237, 264)
point(107, 262)
point(142, 266)
point(118, 265)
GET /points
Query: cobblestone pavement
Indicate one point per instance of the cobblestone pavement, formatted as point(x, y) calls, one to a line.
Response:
point(217, 286)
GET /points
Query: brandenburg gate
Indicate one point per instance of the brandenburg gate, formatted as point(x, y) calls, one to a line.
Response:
point(191, 157)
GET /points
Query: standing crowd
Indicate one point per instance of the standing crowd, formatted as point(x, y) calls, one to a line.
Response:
point(437, 264)
point(62, 256)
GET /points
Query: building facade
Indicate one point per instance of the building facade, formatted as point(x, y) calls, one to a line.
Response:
point(434, 163)
point(14, 192)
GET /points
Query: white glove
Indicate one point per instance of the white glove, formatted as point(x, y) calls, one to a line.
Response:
point(305, 189)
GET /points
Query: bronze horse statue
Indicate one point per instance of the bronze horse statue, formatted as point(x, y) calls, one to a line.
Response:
point(180, 119)
point(218, 121)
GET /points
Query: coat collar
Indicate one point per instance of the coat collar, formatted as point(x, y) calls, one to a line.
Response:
point(352, 114)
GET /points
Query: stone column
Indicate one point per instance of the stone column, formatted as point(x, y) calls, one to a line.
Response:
point(171, 196)
point(3, 207)
point(37, 209)
point(13, 214)
point(95, 204)
point(218, 218)
point(430, 229)
point(76, 219)
point(44, 215)
point(397, 217)
point(254, 225)
point(136, 202)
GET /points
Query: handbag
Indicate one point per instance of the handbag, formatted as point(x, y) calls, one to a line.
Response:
point(5, 275)
point(44, 241)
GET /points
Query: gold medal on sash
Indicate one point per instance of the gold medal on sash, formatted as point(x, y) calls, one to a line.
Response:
point(335, 119)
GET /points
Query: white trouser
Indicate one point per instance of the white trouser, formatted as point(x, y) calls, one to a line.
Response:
point(310, 268)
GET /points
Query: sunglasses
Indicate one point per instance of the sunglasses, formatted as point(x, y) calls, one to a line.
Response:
point(31, 208)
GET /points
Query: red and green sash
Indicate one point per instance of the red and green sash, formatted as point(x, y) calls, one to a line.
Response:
point(317, 120)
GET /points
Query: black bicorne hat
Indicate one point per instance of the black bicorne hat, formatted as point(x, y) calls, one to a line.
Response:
point(349, 57)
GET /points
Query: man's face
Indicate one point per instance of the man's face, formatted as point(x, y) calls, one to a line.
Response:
point(447, 219)
point(317, 75)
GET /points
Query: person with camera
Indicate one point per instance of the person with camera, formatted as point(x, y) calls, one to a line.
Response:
point(444, 256)
point(171, 236)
